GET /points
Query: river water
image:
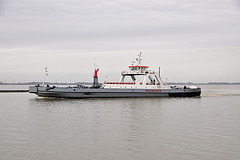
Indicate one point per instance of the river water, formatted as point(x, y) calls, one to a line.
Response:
point(205, 128)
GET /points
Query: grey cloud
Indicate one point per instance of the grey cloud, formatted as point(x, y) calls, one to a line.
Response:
point(68, 26)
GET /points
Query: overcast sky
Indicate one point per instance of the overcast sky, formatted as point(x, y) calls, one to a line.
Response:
point(192, 41)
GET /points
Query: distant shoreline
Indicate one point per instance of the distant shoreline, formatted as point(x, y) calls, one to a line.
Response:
point(13, 90)
point(90, 83)
point(208, 83)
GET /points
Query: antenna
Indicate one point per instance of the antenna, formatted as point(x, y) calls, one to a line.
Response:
point(45, 75)
point(132, 63)
point(139, 59)
point(159, 72)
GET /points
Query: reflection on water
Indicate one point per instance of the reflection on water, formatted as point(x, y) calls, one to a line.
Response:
point(133, 128)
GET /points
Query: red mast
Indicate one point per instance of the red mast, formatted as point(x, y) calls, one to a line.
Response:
point(95, 78)
point(95, 72)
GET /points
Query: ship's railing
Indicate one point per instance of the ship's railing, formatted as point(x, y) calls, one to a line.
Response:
point(130, 83)
point(119, 83)
point(138, 72)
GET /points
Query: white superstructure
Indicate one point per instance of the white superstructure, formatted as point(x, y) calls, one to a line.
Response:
point(138, 76)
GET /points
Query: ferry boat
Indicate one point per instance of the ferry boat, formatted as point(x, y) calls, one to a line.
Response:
point(149, 85)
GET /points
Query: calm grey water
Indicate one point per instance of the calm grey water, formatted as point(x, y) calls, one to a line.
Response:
point(206, 128)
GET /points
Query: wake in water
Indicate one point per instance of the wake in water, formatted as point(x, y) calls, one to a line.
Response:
point(219, 95)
